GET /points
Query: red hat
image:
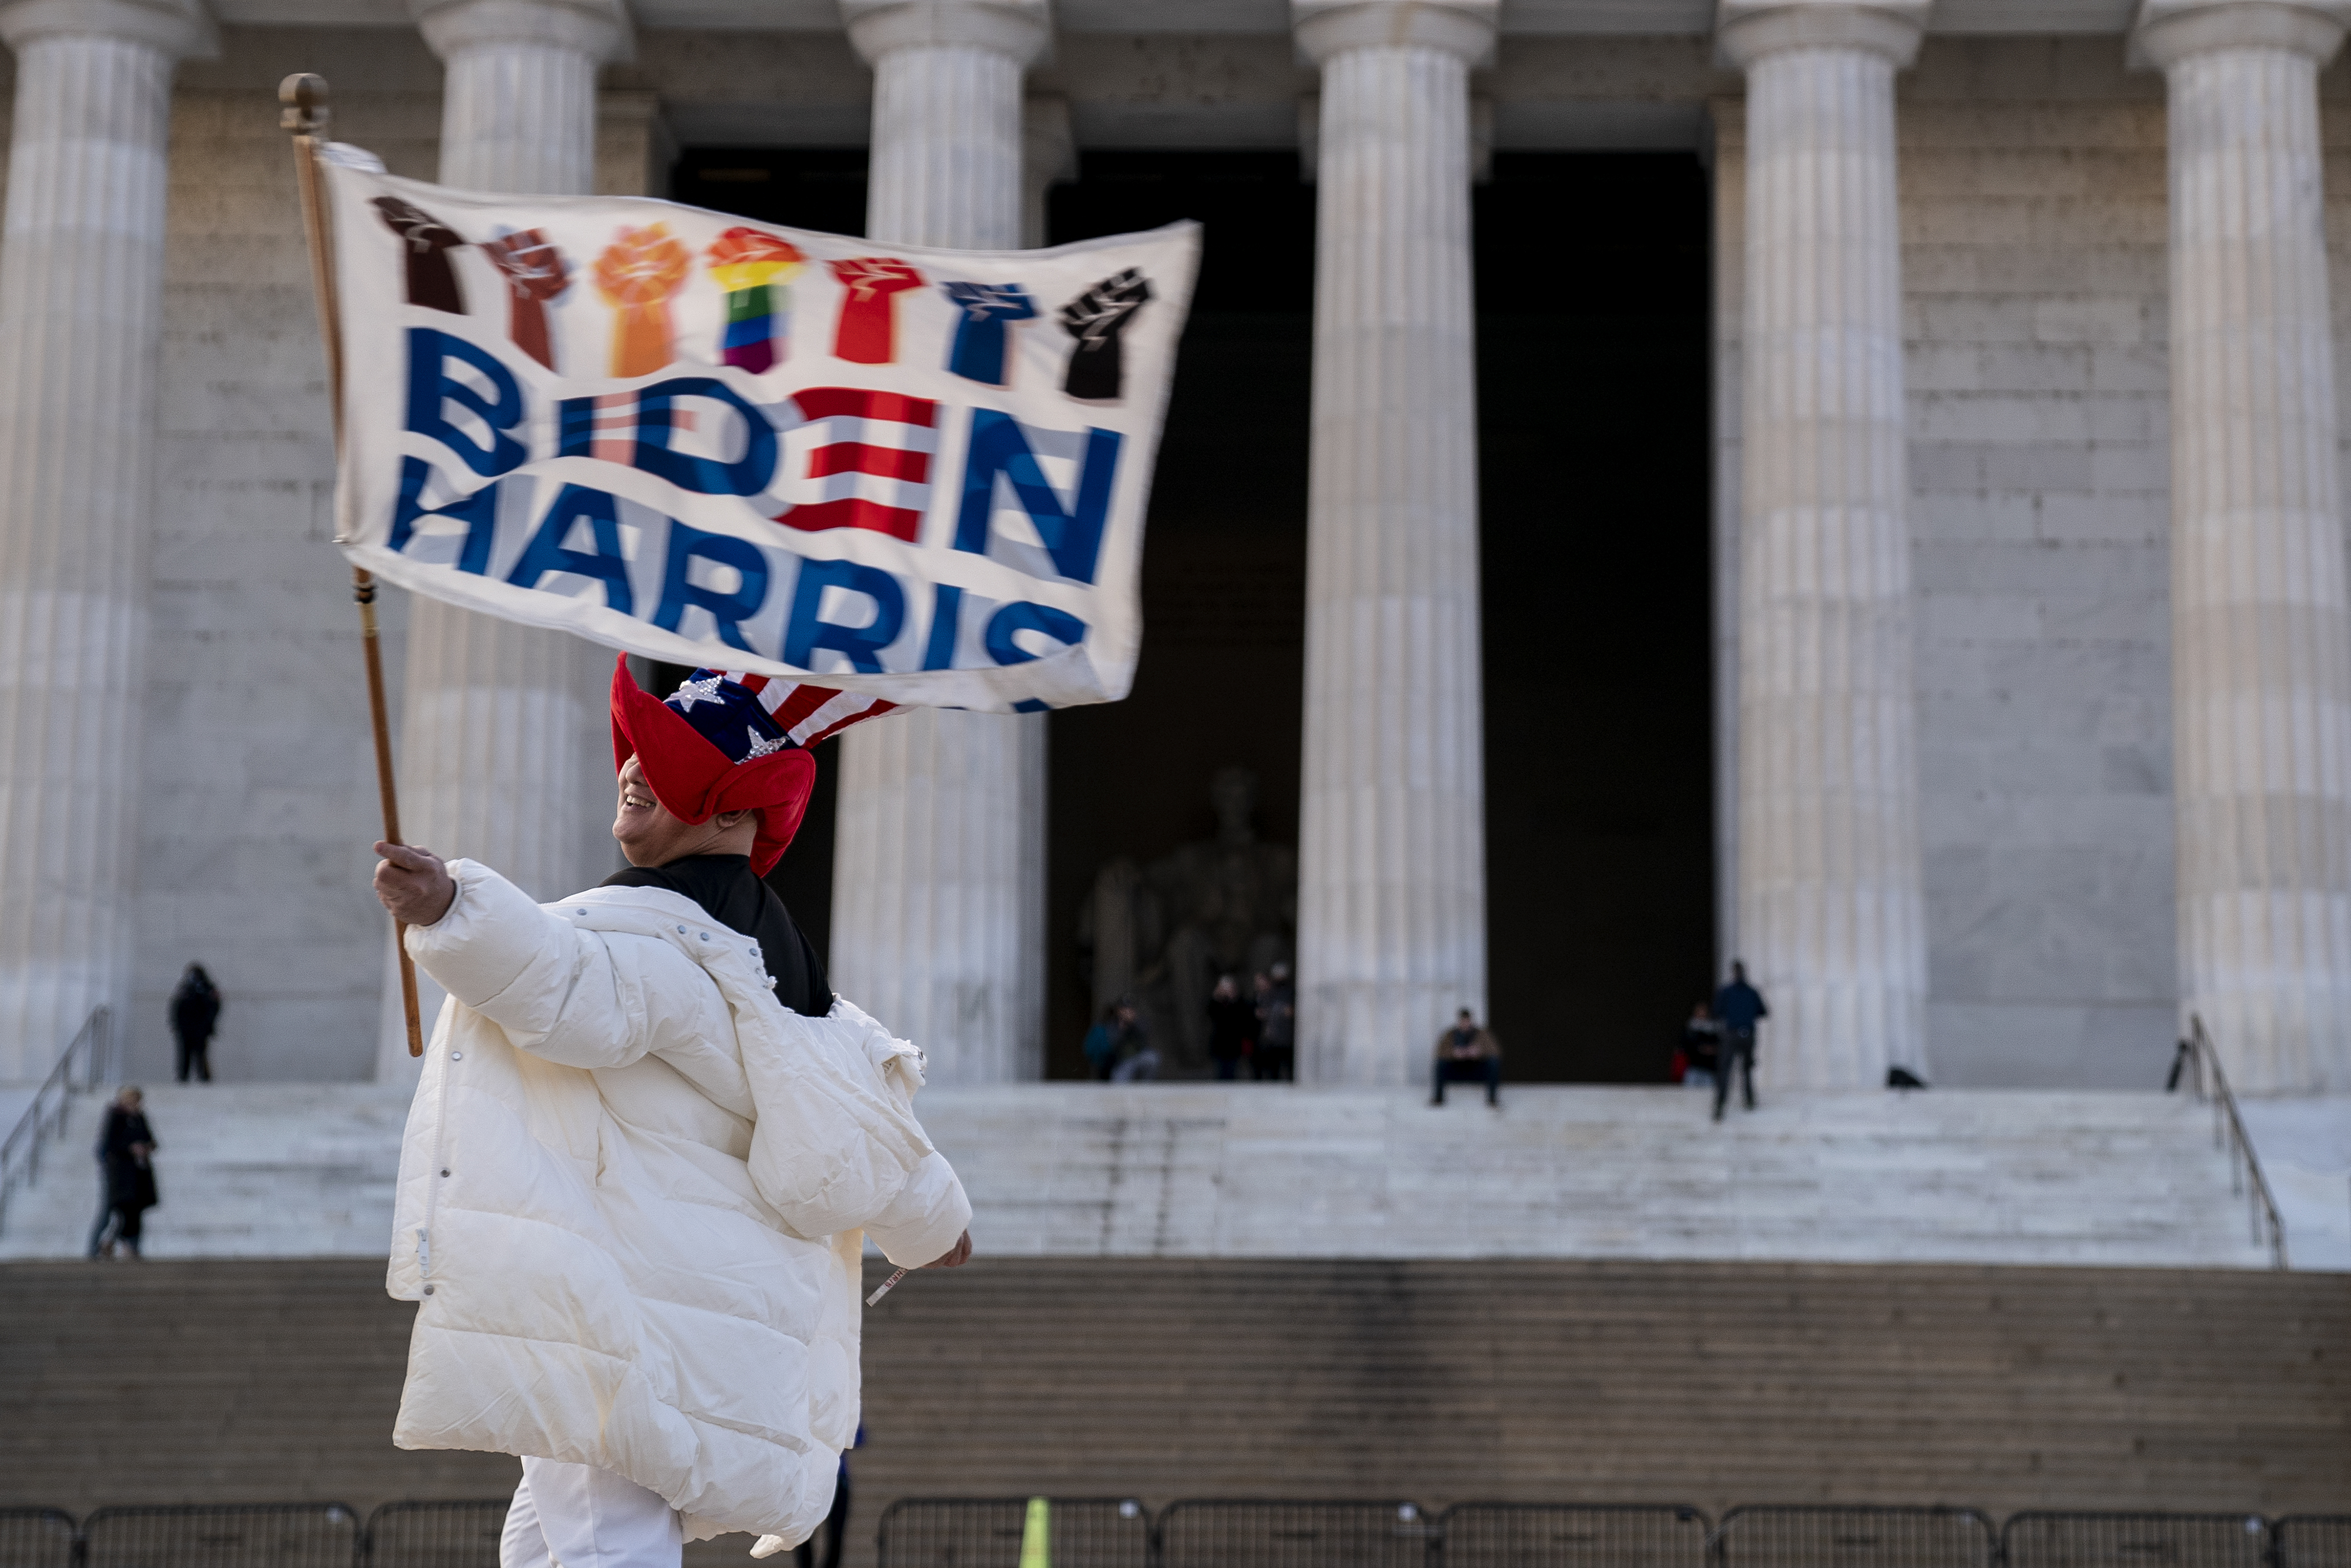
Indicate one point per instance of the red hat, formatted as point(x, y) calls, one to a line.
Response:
point(727, 740)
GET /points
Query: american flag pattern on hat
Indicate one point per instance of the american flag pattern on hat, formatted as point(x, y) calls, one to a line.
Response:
point(748, 716)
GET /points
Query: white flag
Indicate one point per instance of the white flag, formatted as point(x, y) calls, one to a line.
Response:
point(919, 473)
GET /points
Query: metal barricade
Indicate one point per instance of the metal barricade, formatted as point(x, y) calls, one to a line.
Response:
point(231, 1535)
point(2312, 1540)
point(2136, 1540)
point(36, 1538)
point(989, 1532)
point(1574, 1535)
point(1205, 1534)
point(436, 1534)
point(1830, 1535)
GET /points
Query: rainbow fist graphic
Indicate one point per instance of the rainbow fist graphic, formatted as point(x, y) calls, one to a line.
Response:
point(753, 269)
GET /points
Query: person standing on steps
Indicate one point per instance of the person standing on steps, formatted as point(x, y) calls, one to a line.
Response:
point(1232, 1027)
point(1277, 1026)
point(126, 1146)
point(1737, 1007)
point(646, 1152)
point(195, 1009)
point(1101, 1046)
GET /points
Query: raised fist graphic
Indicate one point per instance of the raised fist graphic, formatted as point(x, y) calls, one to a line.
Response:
point(868, 333)
point(987, 310)
point(534, 273)
point(427, 241)
point(1095, 318)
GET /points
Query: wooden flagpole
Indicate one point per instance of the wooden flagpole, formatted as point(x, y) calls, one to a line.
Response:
point(304, 116)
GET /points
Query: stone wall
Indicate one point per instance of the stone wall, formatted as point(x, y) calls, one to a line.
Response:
point(259, 800)
point(2034, 261)
point(2033, 183)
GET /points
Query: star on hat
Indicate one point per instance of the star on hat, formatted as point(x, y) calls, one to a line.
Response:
point(693, 691)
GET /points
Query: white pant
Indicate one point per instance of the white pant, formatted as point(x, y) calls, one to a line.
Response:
point(574, 1516)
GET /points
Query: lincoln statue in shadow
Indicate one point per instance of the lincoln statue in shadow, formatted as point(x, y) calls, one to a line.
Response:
point(1160, 935)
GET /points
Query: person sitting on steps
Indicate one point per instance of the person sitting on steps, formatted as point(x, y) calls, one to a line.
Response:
point(1467, 1052)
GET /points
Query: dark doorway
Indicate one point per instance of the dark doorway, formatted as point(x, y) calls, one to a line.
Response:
point(1593, 381)
point(821, 188)
point(1224, 563)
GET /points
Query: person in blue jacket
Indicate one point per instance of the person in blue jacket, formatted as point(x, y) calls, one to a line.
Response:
point(1737, 1007)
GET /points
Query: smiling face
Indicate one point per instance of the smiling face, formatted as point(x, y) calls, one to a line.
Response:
point(650, 835)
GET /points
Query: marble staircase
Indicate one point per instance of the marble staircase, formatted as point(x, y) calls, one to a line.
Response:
point(245, 1170)
point(1266, 1171)
point(1440, 1380)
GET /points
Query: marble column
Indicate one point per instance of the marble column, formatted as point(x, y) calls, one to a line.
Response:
point(1391, 857)
point(938, 902)
point(505, 748)
point(1831, 910)
point(81, 284)
point(2261, 629)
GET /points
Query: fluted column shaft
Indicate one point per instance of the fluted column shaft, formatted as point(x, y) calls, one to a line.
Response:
point(506, 746)
point(81, 279)
point(938, 902)
point(519, 115)
point(938, 866)
point(1830, 906)
point(1392, 858)
point(2260, 624)
point(948, 171)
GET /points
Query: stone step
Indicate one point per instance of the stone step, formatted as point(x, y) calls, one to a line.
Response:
point(1269, 1170)
point(1524, 1379)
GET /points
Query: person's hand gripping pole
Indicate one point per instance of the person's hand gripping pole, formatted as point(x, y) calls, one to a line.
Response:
point(954, 1257)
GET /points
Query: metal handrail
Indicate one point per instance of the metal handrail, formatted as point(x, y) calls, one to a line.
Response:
point(88, 1062)
point(2197, 1056)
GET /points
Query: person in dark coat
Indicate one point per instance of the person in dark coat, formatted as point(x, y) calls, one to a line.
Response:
point(836, 1524)
point(1232, 1026)
point(1277, 1026)
point(1737, 1007)
point(1132, 1058)
point(1466, 1051)
point(124, 1146)
point(196, 1009)
point(1101, 1046)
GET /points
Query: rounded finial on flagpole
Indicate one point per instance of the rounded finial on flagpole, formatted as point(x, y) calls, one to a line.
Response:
point(304, 94)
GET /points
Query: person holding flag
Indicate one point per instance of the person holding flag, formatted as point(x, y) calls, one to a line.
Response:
point(649, 1143)
point(646, 1152)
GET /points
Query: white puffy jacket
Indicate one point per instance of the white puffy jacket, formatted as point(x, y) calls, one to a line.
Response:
point(634, 1194)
